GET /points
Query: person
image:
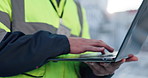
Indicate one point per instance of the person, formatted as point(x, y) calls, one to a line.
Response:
point(33, 31)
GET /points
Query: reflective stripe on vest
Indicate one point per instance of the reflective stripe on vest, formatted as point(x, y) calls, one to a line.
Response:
point(79, 10)
point(4, 24)
point(5, 19)
point(2, 34)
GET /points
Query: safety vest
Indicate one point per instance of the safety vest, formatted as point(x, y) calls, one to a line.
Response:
point(30, 16)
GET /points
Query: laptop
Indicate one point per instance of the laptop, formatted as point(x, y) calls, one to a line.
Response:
point(132, 43)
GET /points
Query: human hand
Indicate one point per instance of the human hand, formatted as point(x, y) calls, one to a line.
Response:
point(81, 45)
point(102, 69)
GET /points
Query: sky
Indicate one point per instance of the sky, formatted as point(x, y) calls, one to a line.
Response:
point(122, 5)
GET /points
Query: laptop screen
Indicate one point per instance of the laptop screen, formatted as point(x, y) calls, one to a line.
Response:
point(137, 33)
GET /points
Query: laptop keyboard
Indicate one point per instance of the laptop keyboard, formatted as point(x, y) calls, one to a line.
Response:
point(90, 55)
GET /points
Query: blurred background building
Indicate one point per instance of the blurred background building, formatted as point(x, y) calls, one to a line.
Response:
point(109, 20)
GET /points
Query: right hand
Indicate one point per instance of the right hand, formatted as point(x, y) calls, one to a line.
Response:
point(81, 45)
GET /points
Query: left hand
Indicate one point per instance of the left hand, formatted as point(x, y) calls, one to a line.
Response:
point(102, 69)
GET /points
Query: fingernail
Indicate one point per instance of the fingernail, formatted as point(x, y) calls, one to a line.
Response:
point(91, 64)
point(123, 60)
point(102, 64)
point(130, 55)
point(102, 48)
point(112, 50)
point(105, 64)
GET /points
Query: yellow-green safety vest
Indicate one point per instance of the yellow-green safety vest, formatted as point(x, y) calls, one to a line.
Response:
point(30, 16)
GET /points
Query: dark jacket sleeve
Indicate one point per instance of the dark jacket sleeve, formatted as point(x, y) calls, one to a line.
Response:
point(86, 72)
point(21, 53)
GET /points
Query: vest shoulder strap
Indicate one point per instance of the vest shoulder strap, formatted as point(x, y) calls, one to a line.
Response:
point(80, 13)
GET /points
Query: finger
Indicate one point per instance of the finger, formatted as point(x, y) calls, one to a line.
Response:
point(105, 64)
point(94, 70)
point(108, 67)
point(95, 49)
point(100, 43)
point(117, 64)
point(98, 69)
point(130, 55)
point(91, 65)
point(131, 58)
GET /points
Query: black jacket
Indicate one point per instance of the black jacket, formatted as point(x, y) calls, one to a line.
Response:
point(21, 53)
